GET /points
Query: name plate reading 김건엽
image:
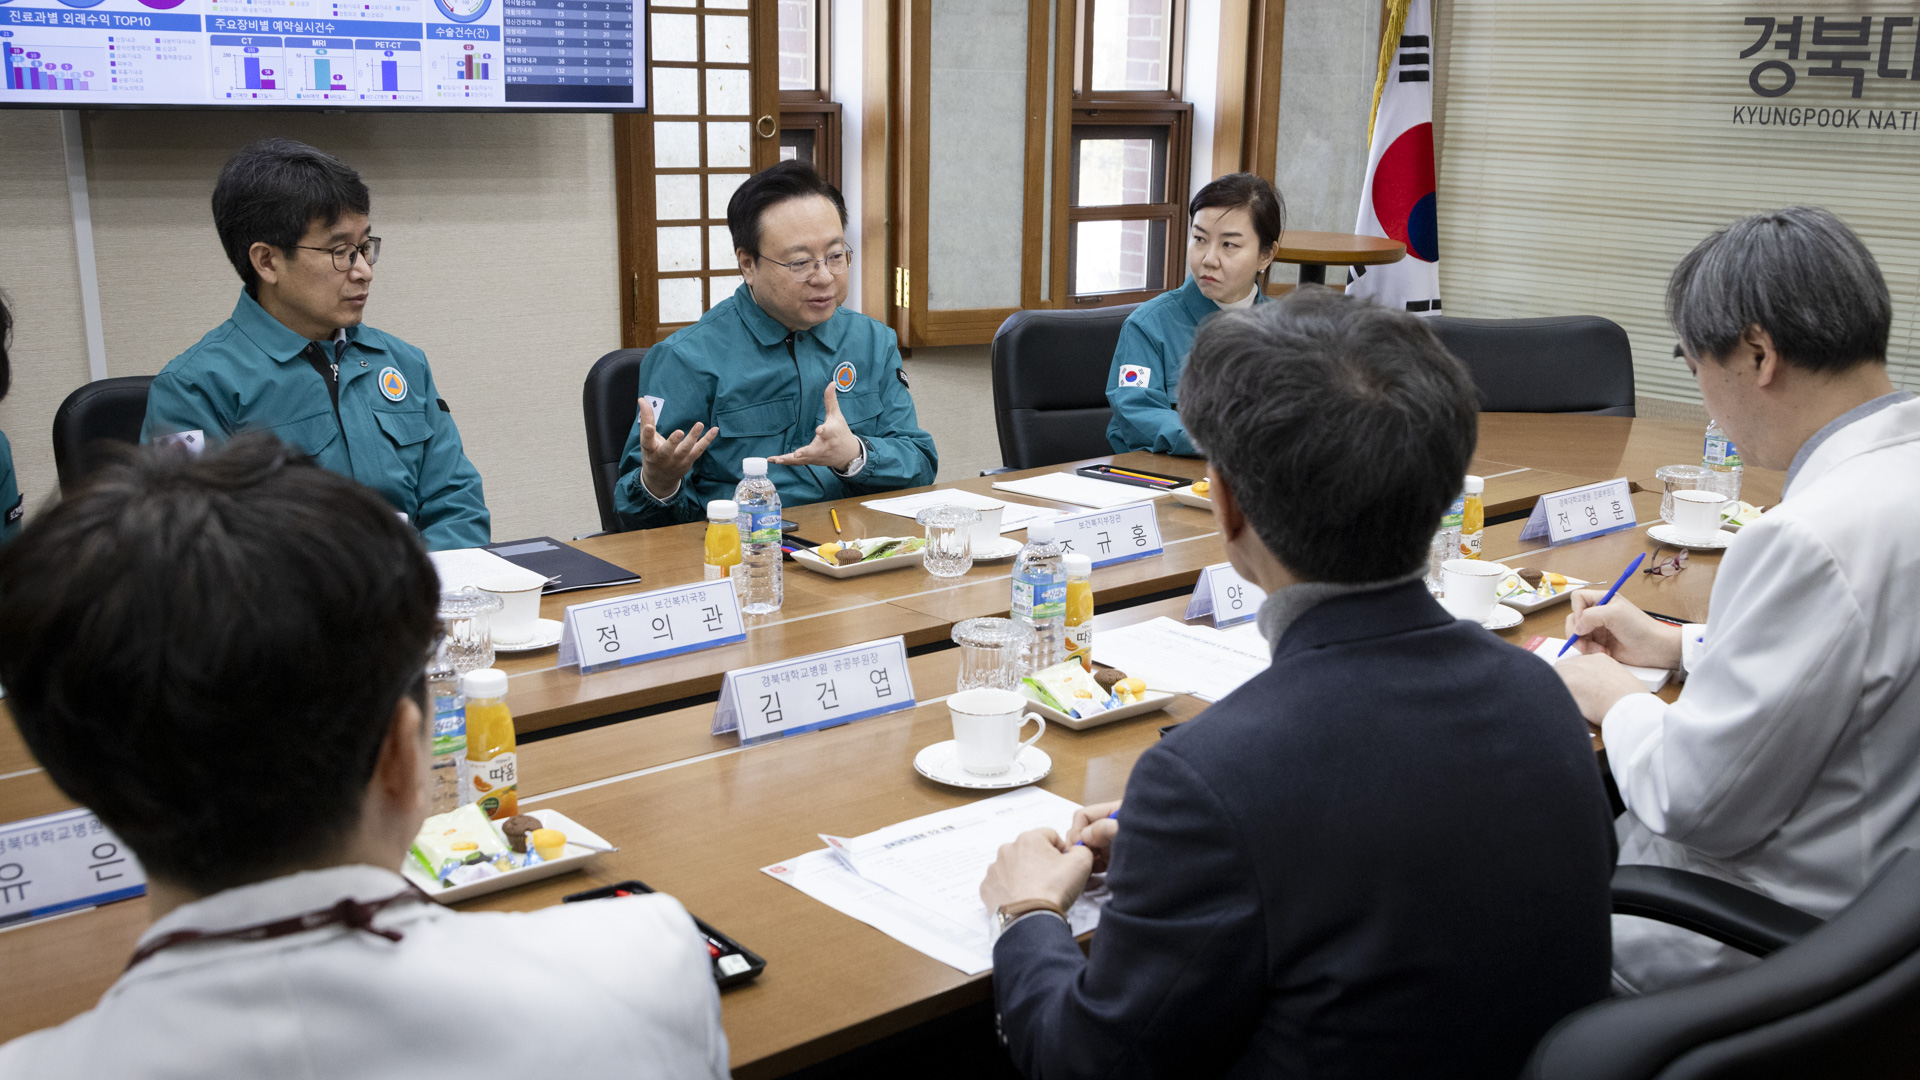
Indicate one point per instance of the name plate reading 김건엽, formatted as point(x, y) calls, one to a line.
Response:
point(61, 862)
point(808, 693)
point(1582, 513)
point(647, 626)
point(1225, 596)
point(1111, 536)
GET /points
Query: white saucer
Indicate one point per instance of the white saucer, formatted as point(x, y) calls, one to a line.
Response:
point(1005, 548)
point(1502, 617)
point(941, 762)
point(1664, 533)
point(546, 634)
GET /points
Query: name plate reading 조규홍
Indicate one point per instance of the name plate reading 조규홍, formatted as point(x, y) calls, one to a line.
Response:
point(61, 862)
point(649, 625)
point(1225, 596)
point(808, 693)
point(1582, 513)
point(1111, 536)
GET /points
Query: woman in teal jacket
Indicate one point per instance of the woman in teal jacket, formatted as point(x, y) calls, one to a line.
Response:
point(1237, 221)
point(10, 500)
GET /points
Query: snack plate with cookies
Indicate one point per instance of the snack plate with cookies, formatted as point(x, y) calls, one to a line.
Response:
point(482, 845)
point(1199, 493)
point(1525, 589)
point(858, 558)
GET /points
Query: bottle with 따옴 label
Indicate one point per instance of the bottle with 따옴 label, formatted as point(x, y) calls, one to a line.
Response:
point(492, 765)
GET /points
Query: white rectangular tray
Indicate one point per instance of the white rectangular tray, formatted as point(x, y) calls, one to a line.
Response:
point(1186, 495)
point(1150, 703)
point(808, 560)
point(1527, 605)
point(573, 857)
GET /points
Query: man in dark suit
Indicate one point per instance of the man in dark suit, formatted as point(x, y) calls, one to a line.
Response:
point(1385, 856)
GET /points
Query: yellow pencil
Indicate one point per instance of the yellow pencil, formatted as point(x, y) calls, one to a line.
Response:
point(835, 514)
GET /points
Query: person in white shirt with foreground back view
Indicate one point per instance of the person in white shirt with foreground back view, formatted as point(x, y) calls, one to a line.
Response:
point(1790, 764)
point(223, 658)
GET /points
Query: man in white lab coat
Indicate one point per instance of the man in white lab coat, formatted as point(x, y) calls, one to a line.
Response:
point(1790, 764)
point(222, 657)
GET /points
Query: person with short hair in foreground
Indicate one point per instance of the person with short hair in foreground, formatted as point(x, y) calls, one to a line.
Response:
point(1787, 764)
point(223, 658)
point(1386, 855)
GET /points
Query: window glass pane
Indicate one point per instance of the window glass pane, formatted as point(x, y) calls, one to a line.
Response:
point(722, 287)
point(797, 44)
point(679, 299)
point(728, 145)
point(720, 248)
point(726, 3)
point(679, 247)
point(675, 37)
point(720, 189)
point(1115, 171)
point(676, 92)
point(1130, 44)
point(1118, 256)
point(676, 197)
point(676, 146)
point(726, 39)
point(798, 144)
point(728, 92)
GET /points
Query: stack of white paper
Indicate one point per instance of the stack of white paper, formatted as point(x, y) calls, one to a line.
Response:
point(1651, 678)
point(1080, 490)
point(1016, 516)
point(918, 882)
point(460, 567)
point(1199, 660)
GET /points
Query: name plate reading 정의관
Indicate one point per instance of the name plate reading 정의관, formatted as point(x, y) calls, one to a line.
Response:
point(61, 862)
point(1111, 536)
point(647, 626)
point(1582, 513)
point(808, 693)
point(1225, 596)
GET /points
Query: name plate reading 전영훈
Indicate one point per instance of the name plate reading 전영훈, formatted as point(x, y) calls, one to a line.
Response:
point(1582, 513)
point(1111, 536)
point(1225, 596)
point(808, 693)
point(647, 626)
point(61, 862)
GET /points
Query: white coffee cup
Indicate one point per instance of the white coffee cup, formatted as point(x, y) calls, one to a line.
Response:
point(1469, 587)
point(520, 618)
point(986, 729)
point(1696, 514)
point(986, 531)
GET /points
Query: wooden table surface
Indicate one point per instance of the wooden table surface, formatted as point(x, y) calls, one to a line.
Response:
point(1344, 249)
point(697, 816)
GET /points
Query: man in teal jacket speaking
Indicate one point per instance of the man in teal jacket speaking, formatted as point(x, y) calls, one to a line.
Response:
point(776, 365)
point(294, 358)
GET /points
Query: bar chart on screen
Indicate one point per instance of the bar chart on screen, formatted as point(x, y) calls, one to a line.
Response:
point(247, 67)
point(389, 70)
point(33, 66)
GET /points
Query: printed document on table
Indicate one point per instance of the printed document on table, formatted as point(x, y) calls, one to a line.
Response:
point(1079, 490)
point(1017, 515)
point(919, 881)
point(460, 567)
point(1546, 647)
point(1170, 655)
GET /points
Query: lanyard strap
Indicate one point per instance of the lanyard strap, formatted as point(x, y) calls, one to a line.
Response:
point(351, 913)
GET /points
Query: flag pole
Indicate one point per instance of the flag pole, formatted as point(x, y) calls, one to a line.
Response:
point(1396, 21)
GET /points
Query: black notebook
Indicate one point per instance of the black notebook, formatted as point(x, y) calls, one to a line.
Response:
point(565, 567)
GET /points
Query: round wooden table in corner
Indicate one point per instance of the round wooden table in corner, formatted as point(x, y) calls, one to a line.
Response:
point(1315, 251)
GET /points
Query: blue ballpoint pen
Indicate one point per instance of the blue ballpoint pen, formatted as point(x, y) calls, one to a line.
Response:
point(1115, 816)
point(1624, 575)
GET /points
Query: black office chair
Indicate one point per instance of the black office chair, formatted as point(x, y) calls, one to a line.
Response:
point(1837, 999)
point(108, 410)
point(1566, 364)
point(610, 399)
point(1050, 384)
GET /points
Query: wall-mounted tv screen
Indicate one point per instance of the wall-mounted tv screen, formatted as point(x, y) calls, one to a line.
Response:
point(328, 54)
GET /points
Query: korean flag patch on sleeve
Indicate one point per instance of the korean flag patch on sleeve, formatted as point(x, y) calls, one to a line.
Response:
point(1135, 375)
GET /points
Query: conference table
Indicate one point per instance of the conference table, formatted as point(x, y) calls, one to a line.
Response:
point(629, 753)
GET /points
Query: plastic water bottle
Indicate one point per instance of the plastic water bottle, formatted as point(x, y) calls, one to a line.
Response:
point(1722, 460)
point(757, 578)
point(449, 783)
point(1446, 542)
point(1040, 598)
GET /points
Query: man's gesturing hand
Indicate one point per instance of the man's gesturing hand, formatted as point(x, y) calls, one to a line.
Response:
point(834, 443)
point(664, 461)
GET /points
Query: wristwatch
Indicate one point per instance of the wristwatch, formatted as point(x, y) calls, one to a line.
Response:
point(1010, 913)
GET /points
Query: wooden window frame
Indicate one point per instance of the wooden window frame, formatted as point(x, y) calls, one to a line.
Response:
point(823, 118)
point(1084, 94)
point(1177, 119)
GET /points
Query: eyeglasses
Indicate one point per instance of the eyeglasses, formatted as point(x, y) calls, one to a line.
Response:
point(344, 255)
point(836, 262)
point(1666, 567)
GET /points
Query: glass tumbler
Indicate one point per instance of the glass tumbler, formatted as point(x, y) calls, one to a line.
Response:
point(1678, 478)
point(949, 539)
point(466, 628)
point(990, 653)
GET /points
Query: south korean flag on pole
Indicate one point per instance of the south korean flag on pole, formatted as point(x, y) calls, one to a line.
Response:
point(1398, 199)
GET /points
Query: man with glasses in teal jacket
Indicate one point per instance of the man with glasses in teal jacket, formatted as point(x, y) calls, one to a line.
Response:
point(777, 365)
point(295, 359)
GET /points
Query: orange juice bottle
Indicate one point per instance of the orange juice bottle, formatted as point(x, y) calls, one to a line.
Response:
point(1079, 619)
point(723, 538)
point(1473, 518)
point(493, 773)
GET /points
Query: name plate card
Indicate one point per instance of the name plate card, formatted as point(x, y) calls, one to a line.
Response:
point(1225, 596)
point(1112, 536)
point(808, 693)
point(1582, 513)
point(647, 626)
point(61, 862)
